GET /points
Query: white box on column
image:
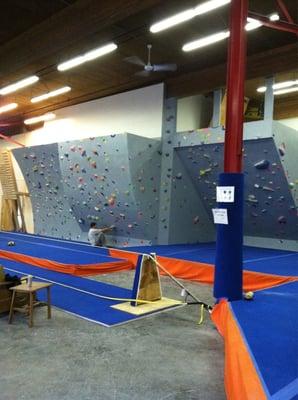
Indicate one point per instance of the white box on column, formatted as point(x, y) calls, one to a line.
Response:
point(225, 194)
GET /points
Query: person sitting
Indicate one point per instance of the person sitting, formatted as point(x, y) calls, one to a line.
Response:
point(96, 236)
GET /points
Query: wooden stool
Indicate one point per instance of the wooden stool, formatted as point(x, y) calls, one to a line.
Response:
point(30, 290)
point(5, 296)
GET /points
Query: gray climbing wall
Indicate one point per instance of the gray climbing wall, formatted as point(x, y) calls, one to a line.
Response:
point(111, 180)
point(40, 166)
point(286, 141)
point(161, 191)
point(189, 220)
point(270, 210)
point(182, 215)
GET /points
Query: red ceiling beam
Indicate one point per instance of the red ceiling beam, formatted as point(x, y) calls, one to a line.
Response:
point(283, 9)
point(279, 25)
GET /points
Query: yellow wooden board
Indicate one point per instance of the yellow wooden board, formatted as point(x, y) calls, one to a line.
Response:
point(149, 281)
point(148, 308)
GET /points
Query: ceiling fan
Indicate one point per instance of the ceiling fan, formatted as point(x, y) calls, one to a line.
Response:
point(148, 67)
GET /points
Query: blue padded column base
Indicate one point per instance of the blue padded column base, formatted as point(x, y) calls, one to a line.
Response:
point(229, 243)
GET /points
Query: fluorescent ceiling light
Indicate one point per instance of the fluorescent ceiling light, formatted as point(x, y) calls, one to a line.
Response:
point(209, 6)
point(187, 15)
point(285, 84)
point(172, 21)
point(283, 91)
point(252, 24)
point(8, 107)
point(42, 118)
point(54, 93)
point(262, 89)
point(255, 24)
point(280, 85)
point(90, 55)
point(274, 17)
point(196, 44)
point(19, 85)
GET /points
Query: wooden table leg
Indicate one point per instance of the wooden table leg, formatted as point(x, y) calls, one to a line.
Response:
point(30, 309)
point(11, 307)
point(49, 302)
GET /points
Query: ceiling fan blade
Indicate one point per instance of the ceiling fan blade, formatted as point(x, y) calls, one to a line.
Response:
point(164, 67)
point(135, 60)
point(143, 73)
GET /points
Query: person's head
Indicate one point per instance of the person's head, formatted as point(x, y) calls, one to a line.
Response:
point(93, 225)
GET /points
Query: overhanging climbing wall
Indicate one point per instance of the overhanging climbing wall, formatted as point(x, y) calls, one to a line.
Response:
point(270, 210)
point(40, 166)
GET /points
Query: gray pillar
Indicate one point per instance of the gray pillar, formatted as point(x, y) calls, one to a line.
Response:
point(168, 131)
point(217, 98)
point(269, 100)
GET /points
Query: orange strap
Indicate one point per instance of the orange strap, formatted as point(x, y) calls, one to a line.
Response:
point(73, 269)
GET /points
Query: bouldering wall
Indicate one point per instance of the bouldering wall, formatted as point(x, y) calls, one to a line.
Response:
point(189, 220)
point(182, 215)
point(286, 141)
point(108, 180)
point(111, 180)
point(270, 210)
point(40, 166)
point(157, 191)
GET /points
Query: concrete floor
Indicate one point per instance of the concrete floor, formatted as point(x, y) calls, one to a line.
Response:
point(163, 357)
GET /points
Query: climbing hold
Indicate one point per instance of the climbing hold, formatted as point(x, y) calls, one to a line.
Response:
point(282, 219)
point(282, 149)
point(263, 164)
point(196, 219)
point(268, 189)
point(205, 171)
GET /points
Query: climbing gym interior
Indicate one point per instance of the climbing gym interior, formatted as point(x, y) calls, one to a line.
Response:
point(149, 200)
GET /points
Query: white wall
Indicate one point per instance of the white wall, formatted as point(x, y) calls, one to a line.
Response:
point(290, 122)
point(193, 113)
point(137, 111)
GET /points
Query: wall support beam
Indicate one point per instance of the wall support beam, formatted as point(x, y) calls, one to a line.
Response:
point(166, 180)
point(283, 9)
point(269, 100)
point(217, 98)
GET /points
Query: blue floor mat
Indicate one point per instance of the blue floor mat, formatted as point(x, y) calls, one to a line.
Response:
point(285, 265)
point(270, 261)
point(49, 250)
point(68, 293)
point(269, 325)
point(55, 242)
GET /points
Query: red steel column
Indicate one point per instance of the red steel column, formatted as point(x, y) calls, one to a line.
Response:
point(228, 277)
point(235, 86)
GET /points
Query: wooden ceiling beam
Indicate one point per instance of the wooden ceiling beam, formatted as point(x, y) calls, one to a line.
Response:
point(264, 64)
point(62, 31)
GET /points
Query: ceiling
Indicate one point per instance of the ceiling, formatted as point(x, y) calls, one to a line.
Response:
point(36, 35)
